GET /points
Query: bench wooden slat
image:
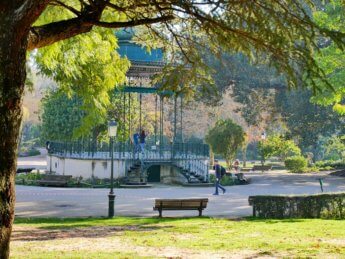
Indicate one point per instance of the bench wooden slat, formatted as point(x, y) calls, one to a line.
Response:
point(180, 204)
point(55, 180)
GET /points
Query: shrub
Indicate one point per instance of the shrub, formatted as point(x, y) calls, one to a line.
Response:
point(325, 205)
point(330, 164)
point(28, 179)
point(296, 164)
point(277, 145)
point(311, 169)
point(225, 181)
point(33, 152)
point(28, 151)
point(225, 138)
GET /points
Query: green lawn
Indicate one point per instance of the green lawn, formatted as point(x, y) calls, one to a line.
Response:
point(177, 237)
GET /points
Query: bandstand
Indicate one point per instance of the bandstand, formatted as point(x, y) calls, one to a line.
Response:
point(166, 160)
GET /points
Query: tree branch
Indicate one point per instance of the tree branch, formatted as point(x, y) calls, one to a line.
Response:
point(41, 36)
point(132, 23)
point(44, 35)
point(69, 8)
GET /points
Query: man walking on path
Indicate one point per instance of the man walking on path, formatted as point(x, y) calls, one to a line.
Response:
point(142, 138)
point(218, 174)
point(136, 143)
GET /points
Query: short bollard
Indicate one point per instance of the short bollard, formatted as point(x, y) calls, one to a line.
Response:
point(111, 210)
point(321, 184)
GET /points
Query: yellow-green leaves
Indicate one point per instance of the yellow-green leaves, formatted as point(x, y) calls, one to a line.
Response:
point(88, 66)
point(332, 58)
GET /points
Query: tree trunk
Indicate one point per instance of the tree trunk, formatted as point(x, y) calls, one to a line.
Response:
point(13, 43)
point(244, 155)
point(211, 158)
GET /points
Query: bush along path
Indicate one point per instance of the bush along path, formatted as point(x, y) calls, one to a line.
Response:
point(325, 205)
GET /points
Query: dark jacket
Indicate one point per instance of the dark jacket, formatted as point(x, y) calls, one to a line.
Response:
point(142, 138)
point(217, 169)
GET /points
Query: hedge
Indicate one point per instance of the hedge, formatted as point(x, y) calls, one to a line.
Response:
point(296, 164)
point(325, 205)
point(330, 163)
point(225, 181)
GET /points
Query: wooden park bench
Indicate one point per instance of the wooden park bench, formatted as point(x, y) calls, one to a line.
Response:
point(262, 167)
point(54, 180)
point(180, 204)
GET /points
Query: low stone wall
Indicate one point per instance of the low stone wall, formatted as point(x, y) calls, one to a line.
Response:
point(171, 175)
point(89, 168)
point(86, 168)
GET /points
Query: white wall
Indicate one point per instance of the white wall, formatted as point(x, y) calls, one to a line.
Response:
point(85, 168)
point(88, 168)
point(171, 175)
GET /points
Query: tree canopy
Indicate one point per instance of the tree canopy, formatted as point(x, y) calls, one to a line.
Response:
point(60, 116)
point(307, 122)
point(225, 139)
point(276, 145)
point(282, 33)
point(331, 58)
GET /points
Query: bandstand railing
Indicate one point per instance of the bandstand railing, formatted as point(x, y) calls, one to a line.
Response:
point(126, 150)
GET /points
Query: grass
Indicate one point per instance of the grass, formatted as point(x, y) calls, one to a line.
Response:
point(127, 237)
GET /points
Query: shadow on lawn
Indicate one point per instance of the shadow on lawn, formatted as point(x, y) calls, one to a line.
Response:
point(41, 234)
point(286, 220)
point(42, 229)
point(55, 223)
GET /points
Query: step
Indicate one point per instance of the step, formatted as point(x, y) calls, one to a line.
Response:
point(136, 179)
point(198, 184)
point(135, 186)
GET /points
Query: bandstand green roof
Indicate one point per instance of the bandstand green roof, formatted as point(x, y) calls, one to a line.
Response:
point(135, 52)
point(145, 90)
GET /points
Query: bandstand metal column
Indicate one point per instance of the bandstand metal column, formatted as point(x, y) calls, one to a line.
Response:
point(124, 124)
point(129, 115)
point(175, 117)
point(181, 119)
point(156, 117)
point(161, 122)
point(140, 112)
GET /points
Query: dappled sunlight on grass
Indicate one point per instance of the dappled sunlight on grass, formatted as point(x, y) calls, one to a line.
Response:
point(246, 237)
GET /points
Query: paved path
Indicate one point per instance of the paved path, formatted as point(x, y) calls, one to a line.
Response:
point(77, 202)
point(38, 162)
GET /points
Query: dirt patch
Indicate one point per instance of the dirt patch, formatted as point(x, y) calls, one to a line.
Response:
point(110, 239)
point(40, 234)
point(339, 241)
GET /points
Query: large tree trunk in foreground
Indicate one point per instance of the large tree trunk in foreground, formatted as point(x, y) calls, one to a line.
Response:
point(13, 43)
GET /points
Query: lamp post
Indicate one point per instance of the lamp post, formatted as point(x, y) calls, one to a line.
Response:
point(263, 137)
point(50, 156)
point(112, 130)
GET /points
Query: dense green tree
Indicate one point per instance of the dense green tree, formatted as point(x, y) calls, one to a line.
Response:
point(225, 139)
point(245, 79)
point(335, 145)
point(276, 145)
point(252, 83)
point(267, 27)
point(332, 59)
point(307, 122)
point(63, 117)
point(60, 117)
